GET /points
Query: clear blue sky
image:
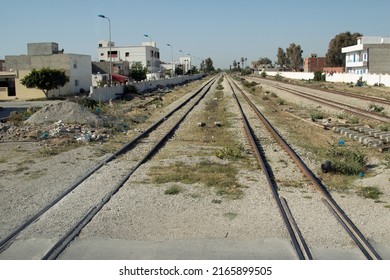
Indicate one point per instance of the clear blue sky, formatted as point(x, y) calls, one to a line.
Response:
point(222, 30)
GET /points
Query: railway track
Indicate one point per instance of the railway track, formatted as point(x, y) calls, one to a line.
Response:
point(301, 248)
point(64, 217)
point(335, 104)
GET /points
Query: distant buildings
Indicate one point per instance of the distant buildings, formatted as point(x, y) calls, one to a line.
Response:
point(314, 63)
point(76, 66)
point(148, 54)
point(369, 55)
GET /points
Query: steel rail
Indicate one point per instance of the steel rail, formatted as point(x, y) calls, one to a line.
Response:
point(363, 243)
point(337, 92)
point(338, 105)
point(64, 242)
point(271, 184)
point(5, 242)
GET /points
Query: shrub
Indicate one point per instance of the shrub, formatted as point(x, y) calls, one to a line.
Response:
point(370, 192)
point(173, 190)
point(319, 76)
point(130, 89)
point(280, 101)
point(278, 77)
point(263, 74)
point(346, 161)
point(315, 114)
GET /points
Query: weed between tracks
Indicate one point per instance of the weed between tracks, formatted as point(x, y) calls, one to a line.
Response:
point(213, 140)
point(220, 177)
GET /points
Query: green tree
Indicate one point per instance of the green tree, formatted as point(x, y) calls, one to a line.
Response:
point(45, 79)
point(234, 64)
point(179, 70)
point(334, 56)
point(294, 56)
point(264, 60)
point(209, 65)
point(138, 72)
point(281, 57)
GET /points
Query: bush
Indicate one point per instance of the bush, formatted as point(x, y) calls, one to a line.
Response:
point(360, 82)
point(315, 114)
point(346, 161)
point(173, 190)
point(263, 74)
point(130, 89)
point(280, 101)
point(278, 77)
point(319, 76)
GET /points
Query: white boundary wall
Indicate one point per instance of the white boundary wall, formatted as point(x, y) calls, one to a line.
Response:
point(371, 79)
point(104, 94)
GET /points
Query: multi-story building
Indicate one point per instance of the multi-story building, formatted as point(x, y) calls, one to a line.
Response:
point(148, 54)
point(314, 63)
point(369, 55)
point(47, 55)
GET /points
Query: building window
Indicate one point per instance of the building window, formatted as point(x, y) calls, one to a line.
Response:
point(101, 54)
point(365, 57)
point(76, 83)
point(127, 54)
point(74, 64)
point(100, 45)
point(113, 54)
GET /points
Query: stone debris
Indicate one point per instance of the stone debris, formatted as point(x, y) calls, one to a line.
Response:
point(79, 132)
point(66, 111)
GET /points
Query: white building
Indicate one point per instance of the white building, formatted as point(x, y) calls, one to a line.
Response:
point(369, 55)
point(47, 54)
point(148, 54)
point(186, 63)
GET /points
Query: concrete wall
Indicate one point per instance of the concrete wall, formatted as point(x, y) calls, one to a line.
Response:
point(371, 79)
point(379, 59)
point(104, 94)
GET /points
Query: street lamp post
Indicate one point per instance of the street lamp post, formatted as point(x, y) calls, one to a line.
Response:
point(173, 65)
point(109, 34)
point(151, 57)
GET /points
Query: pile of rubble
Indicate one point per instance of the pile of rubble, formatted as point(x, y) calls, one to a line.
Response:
point(78, 132)
point(68, 112)
point(66, 120)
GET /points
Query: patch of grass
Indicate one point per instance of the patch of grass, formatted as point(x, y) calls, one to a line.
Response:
point(265, 98)
point(370, 192)
point(273, 94)
point(33, 175)
point(220, 177)
point(3, 160)
point(20, 169)
point(280, 101)
point(229, 153)
point(230, 215)
point(173, 190)
point(384, 127)
point(386, 163)
point(216, 201)
point(354, 120)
